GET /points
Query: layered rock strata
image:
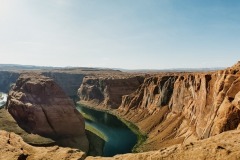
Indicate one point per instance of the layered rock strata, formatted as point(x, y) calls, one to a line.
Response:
point(174, 108)
point(41, 107)
point(108, 92)
point(185, 107)
point(69, 79)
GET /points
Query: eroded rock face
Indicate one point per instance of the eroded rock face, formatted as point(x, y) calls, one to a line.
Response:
point(13, 147)
point(184, 107)
point(175, 108)
point(41, 107)
point(108, 92)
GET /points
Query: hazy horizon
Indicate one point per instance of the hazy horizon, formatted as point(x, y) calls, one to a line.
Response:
point(122, 69)
point(134, 34)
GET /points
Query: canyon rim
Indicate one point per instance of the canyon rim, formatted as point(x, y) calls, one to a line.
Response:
point(181, 115)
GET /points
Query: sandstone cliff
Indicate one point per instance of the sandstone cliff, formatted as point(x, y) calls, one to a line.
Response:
point(174, 108)
point(108, 92)
point(12, 147)
point(184, 107)
point(68, 79)
point(41, 107)
point(7, 123)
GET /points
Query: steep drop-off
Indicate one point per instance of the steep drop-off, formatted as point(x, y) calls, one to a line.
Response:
point(176, 108)
point(69, 82)
point(107, 92)
point(7, 78)
point(68, 79)
point(40, 106)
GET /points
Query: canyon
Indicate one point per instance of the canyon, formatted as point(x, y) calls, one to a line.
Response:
point(41, 107)
point(182, 114)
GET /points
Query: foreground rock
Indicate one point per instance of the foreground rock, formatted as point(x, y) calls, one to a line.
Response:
point(41, 107)
point(224, 146)
point(12, 147)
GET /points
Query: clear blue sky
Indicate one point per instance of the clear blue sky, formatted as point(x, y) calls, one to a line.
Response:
point(131, 34)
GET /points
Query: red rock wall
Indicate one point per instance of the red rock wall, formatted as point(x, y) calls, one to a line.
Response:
point(40, 106)
point(184, 107)
point(107, 92)
point(172, 108)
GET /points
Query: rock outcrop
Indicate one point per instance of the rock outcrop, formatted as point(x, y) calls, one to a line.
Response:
point(175, 108)
point(184, 107)
point(224, 146)
point(12, 147)
point(108, 92)
point(41, 107)
point(69, 79)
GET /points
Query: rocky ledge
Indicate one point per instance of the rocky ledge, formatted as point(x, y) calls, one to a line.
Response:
point(12, 147)
point(41, 107)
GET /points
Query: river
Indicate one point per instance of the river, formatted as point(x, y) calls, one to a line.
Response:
point(3, 99)
point(119, 138)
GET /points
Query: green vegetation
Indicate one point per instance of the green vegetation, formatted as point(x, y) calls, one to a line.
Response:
point(87, 116)
point(140, 136)
point(95, 131)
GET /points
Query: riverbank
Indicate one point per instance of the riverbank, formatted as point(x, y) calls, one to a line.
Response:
point(120, 138)
point(141, 137)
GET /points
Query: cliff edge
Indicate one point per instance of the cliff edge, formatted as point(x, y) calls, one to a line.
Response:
point(107, 92)
point(41, 107)
point(177, 108)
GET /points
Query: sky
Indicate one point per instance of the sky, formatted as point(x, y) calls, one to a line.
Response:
point(129, 34)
